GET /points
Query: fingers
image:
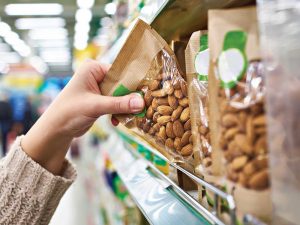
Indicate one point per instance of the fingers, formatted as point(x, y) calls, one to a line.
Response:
point(96, 69)
point(132, 103)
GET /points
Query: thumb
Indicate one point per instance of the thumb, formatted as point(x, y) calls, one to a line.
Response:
point(132, 103)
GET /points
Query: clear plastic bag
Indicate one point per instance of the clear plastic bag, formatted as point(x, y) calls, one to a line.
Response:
point(280, 31)
point(167, 117)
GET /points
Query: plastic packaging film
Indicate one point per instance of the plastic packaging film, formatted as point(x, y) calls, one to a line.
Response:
point(280, 29)
point(147, 65)
point(197, 63)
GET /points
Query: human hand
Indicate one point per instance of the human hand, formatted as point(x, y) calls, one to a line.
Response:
point(72, 113)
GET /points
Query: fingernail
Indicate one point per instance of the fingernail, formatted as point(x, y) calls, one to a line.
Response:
point(136, 103)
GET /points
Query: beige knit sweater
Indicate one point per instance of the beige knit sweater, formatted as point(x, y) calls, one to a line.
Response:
point(29, 194)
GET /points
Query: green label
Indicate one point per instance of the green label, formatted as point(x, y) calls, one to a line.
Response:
point(201, 62)
point(232, 62)
point(121, 90)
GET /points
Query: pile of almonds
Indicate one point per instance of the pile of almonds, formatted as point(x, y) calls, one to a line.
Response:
point(168, 114)
point(203, 129)
point(243, 139)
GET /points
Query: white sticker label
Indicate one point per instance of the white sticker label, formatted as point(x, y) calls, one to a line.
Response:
point(231, 64)
point(202, 62)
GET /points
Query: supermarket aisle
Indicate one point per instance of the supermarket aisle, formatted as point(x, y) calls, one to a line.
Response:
point(79, 205)
point(73, 207)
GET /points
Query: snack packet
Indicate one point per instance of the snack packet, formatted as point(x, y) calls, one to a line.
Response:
point(147, 65)
point(197, 66)
point(236, 110)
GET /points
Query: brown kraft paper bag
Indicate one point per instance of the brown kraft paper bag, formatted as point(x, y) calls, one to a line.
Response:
point(236, 109)
point(147, 65)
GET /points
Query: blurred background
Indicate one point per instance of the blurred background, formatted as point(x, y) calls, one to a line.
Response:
point(41, 44)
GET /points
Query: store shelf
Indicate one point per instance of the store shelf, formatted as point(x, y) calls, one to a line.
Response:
point(176, 18)
point(180, 18)
point(155, 194)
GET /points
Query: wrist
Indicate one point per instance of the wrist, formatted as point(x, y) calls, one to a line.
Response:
point(47, 142)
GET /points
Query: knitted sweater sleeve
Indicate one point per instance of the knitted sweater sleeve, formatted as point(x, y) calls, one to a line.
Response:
point(29, 194)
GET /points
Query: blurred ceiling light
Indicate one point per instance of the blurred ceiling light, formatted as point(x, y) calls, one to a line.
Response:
point(24, 50)
point(10, 57)
point(80, 45)
point(4, 29)
point(32, 23)
point(110, 8)
point(51, 43)
point(55, 56)
point(83, 15)
point(81, 37)
point(47, 34)
point(38, 64)
point(11, 38)
point(85, 4)
point(33, 9)
point(82, 27)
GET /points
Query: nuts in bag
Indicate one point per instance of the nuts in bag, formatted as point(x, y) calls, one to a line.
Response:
point(237, 114)
point(147, 65)
point(197, 63)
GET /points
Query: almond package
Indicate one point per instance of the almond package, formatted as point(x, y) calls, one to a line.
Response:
point(236, 109)
point(146, 65)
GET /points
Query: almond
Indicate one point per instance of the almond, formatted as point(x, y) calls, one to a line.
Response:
point(169, 143)
point(185, 138)
point(187, 150)
point(259, 180)
point(176, 113)
point(150, 112)
point(154, 104)
point(173, 102)
point(169, 130)
point(156, 115)
point(162, 101)
point(187, 125)
point(184, 102)
point(176, 84)
point(148, 98)
point(164, 110)
point(231, 132)
point(239, 162)
point(185, 115)
point(177, 93)
point(261, 162)
point(162, 133)
point(156, 127)
point(168, 87)
point(250, 130)
point(154, 85)
point(178, 129)
point(203, 130)
point(159, 93)
point(260, 146)
point(242, 121)
point(177, 144)
point(163, 120)
point(183, 88)
point(229, 120)
point(249, 169)
point(242, 144)
point(259, 120)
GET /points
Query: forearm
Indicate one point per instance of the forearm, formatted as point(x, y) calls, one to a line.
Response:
point(46, 142)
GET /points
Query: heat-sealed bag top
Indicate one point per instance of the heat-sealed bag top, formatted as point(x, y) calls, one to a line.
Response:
point(236, 109)
point(147, 65)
